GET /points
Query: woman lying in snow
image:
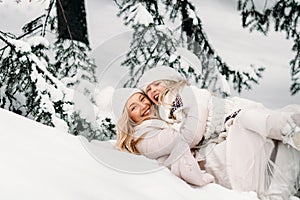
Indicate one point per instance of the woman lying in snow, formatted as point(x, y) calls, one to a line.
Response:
point(252, 158)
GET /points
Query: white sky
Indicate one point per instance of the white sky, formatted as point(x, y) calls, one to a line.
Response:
point(220, 20)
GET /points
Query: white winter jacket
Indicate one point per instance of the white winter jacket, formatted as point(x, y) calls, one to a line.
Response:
point(163, 142)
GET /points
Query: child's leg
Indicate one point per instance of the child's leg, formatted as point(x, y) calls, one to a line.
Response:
point(276, 121)
point(296, 119)
point(274, 124)
point(291, 132)
point(285, 126)
point(285, 176)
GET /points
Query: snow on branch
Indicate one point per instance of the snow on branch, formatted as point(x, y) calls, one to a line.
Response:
point(138, 15)
point(284, 16)
point(157, 44)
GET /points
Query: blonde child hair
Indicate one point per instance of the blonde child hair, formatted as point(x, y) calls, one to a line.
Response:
point(172, 88)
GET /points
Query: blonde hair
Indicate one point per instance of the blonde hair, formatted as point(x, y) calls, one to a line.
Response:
point(126, 129)
point(172, 87)
point(125, 133)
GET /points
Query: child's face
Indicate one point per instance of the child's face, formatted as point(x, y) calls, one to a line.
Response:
point(154, 89)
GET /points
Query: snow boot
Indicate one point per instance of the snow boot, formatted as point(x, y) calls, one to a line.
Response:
point(291, 131)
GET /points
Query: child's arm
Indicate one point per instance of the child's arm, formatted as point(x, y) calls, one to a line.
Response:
point(194, 118)
point(187, 168)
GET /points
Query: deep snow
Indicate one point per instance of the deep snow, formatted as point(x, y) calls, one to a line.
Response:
point(40, 162)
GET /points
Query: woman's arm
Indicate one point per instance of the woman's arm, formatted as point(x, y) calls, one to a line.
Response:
point(168, 142)
point(158, 141)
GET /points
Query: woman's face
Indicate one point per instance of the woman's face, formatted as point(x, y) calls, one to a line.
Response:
point(139, 107)
point(153, 90)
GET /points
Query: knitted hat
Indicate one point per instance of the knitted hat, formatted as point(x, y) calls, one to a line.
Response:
point(158, 73)
point(119, 100)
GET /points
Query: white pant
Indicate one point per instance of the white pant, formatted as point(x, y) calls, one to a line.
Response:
point(242, 162)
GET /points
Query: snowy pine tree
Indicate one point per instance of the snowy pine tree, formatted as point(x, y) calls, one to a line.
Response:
point(51, 91)
point(27, 88)
point(284, 14)
point(154, 43)
point(74, 67)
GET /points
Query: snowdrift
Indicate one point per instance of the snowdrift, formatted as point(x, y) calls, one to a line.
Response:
point(40, 162)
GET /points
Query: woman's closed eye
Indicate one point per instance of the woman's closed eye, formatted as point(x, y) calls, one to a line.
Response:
point(148, 89)
point(157, 83)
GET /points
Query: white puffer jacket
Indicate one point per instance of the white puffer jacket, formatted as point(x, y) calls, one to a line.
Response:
point(172, 146)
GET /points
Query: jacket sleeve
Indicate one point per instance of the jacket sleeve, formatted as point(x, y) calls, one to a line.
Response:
point(187, 168)
point(167, 142)
point(157, 142)
point(195, 115)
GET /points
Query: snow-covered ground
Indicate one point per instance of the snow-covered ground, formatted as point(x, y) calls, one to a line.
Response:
point(40, 162)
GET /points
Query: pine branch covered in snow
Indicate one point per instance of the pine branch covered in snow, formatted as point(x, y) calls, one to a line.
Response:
point(26, 86)
point(29, 89)
point(139, 12)
point(73, 66)
point(34, 25)
point(154, 43)
point(76, 70)
point(147, 45)
point(284, 14)
point(56, 92)
point(81, 126)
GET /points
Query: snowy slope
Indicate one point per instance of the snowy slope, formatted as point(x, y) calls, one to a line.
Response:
point(40, 162)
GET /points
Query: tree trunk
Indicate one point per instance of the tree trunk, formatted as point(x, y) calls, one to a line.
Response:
point(71, 19)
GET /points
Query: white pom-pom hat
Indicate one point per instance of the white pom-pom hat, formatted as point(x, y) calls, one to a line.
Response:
point(119, 100)
point(158, 73)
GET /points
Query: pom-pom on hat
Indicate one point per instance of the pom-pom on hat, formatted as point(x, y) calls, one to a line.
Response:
point(119, 100)
point(158, 73)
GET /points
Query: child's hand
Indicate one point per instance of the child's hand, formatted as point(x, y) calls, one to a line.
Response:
point(223, 135)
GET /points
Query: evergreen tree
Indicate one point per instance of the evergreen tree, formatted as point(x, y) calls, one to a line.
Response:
point(27, 88)
point(154, 43)
point(51, 91)
point(284, 14)
point(74, 67)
